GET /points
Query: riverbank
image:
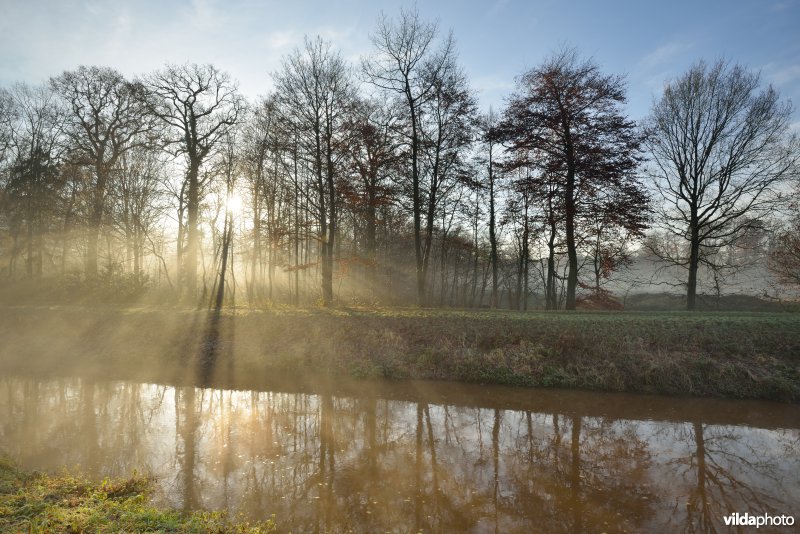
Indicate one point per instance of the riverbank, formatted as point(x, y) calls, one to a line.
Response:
point(36, 502)
point(733, 355)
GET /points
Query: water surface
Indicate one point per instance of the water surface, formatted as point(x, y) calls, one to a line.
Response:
point(419, 456)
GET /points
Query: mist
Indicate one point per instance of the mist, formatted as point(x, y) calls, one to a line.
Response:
point(362, 301)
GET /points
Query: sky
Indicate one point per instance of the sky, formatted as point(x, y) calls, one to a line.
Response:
point(649, 42)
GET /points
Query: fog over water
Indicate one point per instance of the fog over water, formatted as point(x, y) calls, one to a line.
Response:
point(265, 253)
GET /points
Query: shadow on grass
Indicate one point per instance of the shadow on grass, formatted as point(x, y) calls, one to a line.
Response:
point(215, 351)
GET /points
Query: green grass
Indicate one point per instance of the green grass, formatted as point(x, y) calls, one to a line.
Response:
point(717, 354)
point(36, 502)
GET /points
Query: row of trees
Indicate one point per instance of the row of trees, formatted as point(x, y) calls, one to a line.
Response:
point(384, 180)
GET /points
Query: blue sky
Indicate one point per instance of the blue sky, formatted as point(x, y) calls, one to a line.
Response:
point(649, 41)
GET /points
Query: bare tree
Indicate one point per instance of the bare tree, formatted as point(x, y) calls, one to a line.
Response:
point(316, 90)
point(226, 168)
point(139, 193)
point(199, 105)
point(447, 125)
point(258, 144)
point(720, 149)
point(6, 114)
point(31, 186)
point(408, 62)
point(106, 115)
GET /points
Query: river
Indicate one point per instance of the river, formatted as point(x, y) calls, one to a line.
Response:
point(418, 456)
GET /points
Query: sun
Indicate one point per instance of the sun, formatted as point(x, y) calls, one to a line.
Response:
point(234, 205)
point(231, 206)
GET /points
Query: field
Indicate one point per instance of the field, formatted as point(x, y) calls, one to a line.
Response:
point(722, 354)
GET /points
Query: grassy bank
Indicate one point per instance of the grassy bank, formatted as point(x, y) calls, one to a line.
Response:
point(35, 502)
point(738, 355)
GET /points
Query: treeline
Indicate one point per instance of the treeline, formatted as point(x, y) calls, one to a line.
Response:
point(384, 182)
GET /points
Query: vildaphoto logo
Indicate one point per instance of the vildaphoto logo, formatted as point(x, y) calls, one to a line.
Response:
point(765, 520)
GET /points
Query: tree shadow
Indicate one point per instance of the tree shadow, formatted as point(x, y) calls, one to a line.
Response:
point(215, 348)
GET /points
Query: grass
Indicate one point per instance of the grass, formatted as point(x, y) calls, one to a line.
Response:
point(714, 354)
point(36, 502)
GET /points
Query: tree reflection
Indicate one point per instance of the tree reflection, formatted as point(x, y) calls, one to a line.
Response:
point(726, 472)
point(186, 422)
point(324, 463)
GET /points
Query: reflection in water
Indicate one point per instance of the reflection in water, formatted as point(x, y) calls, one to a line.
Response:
point(329, 463)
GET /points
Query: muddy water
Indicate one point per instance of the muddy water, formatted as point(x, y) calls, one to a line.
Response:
point(420, 457)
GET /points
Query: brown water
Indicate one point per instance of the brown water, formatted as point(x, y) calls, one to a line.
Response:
point(420, 456)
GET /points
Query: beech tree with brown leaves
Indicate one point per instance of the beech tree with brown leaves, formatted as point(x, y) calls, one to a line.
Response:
point(569, 114)
point(784, 257)
point(373, 159)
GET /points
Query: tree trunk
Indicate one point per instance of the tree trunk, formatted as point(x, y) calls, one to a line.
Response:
point(179, 244)
point(226, 241)
point(370, 241)
point(329, 239)
point(429, 224)
point(475, 246)
point(192, 231)
point(572, 253)
point(443, 273)
point(551, 302)
point(137, 250)
point(95, 220)
point(416, 204)
point(518, 289)
point(525, 257)
point(575, 474)
point(492, 234)
point(29, 246)
point(700, 453)
point(256, 254)
point(296, 231)
point(694, 261)
point(331, 243)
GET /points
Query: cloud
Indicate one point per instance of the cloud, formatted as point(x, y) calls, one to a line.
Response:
point(658, 81)
point(492, 89)
point(283, 40)
point(204, 14)
point(664, 53)
point(492, 83)
point(782, 74)
point(784, 5)
point(497, 7)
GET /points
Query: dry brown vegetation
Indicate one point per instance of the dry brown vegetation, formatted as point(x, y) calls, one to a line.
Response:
point(738, 355)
